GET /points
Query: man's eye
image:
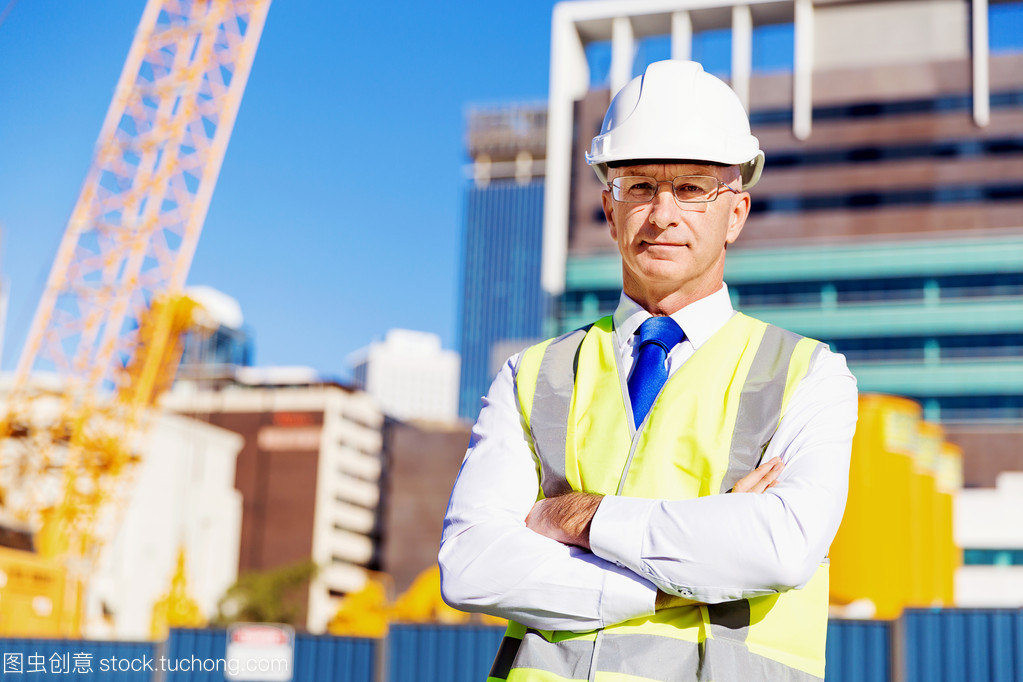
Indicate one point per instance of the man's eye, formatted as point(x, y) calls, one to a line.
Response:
point(641, 187)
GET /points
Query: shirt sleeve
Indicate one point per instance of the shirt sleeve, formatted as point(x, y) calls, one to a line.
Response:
point(492, 563)
point(734, 546)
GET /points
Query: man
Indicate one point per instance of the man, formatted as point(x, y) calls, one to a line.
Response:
point(589, 509)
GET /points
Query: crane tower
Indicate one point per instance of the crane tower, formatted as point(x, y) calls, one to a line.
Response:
point(99, 327)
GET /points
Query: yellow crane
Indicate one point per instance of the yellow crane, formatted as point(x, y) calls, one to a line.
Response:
point(106, 328)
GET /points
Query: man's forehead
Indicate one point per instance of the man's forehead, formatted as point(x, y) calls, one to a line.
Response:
point(669, 169)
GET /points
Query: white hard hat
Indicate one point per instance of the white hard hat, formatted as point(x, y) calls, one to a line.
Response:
point(677, 111)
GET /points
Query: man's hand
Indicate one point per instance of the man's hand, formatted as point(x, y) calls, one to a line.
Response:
point(760, 479)
point(565, 518)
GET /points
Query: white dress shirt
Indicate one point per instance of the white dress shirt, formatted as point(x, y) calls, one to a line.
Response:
point(709, 549)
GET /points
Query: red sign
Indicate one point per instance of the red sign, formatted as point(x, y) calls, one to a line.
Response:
point(259, 636)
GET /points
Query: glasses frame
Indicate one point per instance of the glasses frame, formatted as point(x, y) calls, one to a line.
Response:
point(615, 190)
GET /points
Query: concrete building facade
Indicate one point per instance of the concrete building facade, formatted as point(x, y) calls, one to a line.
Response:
point(423, 459)
point(410, 375)
point(182, 496)
point(988, 530)
point(309, 475)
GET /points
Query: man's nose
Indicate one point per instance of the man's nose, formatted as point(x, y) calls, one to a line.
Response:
point(663, 207)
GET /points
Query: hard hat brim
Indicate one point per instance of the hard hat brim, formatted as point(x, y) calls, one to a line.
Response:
point(750, 170)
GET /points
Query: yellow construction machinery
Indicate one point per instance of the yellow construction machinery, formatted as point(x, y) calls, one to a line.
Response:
point(369, 612)
point(895, 548)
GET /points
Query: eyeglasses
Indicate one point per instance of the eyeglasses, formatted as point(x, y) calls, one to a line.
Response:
point(688, 189)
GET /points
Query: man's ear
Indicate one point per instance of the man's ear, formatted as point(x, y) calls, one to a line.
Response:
point(737, 219)
point(607, 201)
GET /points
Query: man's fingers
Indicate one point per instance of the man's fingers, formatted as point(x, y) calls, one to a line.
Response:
point(770, 476)
point(760, 479)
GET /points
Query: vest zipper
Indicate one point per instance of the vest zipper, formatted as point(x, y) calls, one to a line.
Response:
point(636, 431)
point(592, 676)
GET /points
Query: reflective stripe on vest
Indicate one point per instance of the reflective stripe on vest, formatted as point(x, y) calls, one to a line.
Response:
point(549, 417)
point(573, 400)
point(533, 656)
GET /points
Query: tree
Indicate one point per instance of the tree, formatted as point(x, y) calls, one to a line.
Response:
point(278, 595)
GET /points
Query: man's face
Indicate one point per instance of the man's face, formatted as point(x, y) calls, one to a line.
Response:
point(671, 249)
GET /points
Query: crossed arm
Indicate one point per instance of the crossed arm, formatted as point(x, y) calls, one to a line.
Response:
point(627, 556)
point(567, 518)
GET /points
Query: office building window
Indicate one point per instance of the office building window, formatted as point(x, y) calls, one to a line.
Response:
point(650, 50)
point(774, 48)
point(598, 58)
point(993, 557)
point(713, 49)
point(1005, 27)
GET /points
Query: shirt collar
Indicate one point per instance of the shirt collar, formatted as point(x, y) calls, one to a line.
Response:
point(699, 320)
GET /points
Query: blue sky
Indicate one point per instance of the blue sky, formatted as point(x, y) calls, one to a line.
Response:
point(337, 90)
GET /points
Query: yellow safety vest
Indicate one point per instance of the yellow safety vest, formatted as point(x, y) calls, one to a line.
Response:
point(574, 402)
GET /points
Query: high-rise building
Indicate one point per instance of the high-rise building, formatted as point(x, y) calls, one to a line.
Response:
point(889, 220)
point(409, 375)
point(308, 472)
point(502, 306)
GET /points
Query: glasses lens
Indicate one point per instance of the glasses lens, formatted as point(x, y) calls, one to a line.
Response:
point(695, 188)
point(634, 188)
point(688, 188)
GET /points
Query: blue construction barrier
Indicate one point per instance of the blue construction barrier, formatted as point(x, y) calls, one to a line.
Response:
point(859, 651)
point(192, 655)
point(950, 645)
point(195, 655)
point(452, 653)
point(939, 645)
point(345, 659)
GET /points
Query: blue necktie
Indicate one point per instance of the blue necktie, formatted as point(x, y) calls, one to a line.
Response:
point(657, 336)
